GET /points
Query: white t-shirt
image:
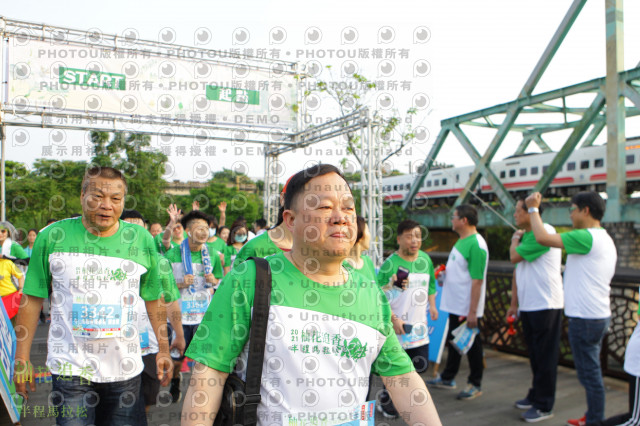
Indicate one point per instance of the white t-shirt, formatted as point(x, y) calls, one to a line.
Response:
point(632, 354)
point(587, 276)
point(538, 276)
point(468, 260)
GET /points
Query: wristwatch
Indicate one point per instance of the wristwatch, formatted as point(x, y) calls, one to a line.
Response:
point(533, 210)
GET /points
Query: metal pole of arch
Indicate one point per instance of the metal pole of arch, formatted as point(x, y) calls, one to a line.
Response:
point(3, 140)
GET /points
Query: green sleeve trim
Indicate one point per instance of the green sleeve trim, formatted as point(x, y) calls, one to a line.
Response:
point(38, 280)
point(17, 251)
point(529, 248)
point(477, 261)
point(577, 241)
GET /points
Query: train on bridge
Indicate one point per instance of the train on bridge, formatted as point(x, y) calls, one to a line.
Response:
point(584, 170)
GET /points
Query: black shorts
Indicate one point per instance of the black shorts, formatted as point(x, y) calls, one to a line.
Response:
point(150, 384)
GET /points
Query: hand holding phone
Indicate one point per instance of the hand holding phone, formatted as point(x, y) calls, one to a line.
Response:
point(401, 276)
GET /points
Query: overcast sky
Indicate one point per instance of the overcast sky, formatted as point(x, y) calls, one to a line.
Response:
point(481, 53)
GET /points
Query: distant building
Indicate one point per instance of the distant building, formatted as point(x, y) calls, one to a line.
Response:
point(183, 188)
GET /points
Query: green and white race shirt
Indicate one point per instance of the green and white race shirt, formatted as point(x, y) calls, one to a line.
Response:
point(195, 299)
point(538, 276)
point(588, 273)
point(260, 246)
point(468, 260)
point(322, 341)
point(96, 285)
point(367, 270)
point(412, 304)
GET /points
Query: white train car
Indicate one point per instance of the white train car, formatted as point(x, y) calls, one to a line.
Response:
point(585, 169)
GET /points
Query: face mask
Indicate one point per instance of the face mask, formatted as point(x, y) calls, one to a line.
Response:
point(240, 238)
point(212, 232)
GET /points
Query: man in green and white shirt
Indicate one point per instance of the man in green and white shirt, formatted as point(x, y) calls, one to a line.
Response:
point(537, 294)
point(197, 270)
point(97, 268)
point(587, 284)
point(463, 295)
point(410, 302)
point(328, 328)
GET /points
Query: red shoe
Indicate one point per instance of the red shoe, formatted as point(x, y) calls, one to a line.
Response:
point(577, 422)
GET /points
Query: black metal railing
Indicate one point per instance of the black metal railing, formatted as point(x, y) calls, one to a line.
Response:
point(624, 308)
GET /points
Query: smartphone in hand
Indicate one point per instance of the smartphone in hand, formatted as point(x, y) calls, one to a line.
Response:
point(401, 275)
point(407, 328)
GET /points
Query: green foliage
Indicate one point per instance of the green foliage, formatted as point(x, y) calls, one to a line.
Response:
point(50, 190)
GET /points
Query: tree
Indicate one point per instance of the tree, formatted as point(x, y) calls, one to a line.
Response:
point(353, 93)
point(50, 190)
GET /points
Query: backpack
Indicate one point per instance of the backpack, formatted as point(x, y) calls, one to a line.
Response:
point(240, 400)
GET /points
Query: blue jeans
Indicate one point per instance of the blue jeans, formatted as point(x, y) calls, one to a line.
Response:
point(82, 403)
point(585, 337)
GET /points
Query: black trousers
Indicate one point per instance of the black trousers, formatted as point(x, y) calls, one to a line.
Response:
point(474, 356)
point(542, 334)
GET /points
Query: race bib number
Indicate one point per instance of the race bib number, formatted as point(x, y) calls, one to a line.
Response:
point(96, 321)
point(194, 304)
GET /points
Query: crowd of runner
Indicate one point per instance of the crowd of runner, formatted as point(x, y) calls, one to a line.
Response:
point(133, 303)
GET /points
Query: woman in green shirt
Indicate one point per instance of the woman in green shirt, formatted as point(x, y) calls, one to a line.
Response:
point(237, 238)
point(358, 261)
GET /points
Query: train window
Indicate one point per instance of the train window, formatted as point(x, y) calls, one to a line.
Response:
point(407, 186)
point(444, 181)
point(630, 159)
point(534, 170)
point(503, 174)
point(512, 173)
point(395, 187)
point(436, 182)
point(523, 172)
point(599, 162)
point(428, 183)
point(571, 166)
point(457, 178)
point(544, 169)
point(584, 164)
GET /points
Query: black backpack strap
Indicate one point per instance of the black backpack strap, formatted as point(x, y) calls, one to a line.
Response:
point(257, 340)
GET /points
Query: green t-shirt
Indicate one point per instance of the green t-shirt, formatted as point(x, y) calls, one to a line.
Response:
point(218, 244)
point(467, 261)
point(158, 241)
point(260, 246)
point(367, 270)
point(95, 284)
point(411, 304)
point(577, 241)
point(529, 248)
point(230, 253)
point(17, 251)
point(422, 266)
point(175, 258)
point(325, 337)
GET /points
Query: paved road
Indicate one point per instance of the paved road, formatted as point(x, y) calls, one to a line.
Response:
point(507, 378)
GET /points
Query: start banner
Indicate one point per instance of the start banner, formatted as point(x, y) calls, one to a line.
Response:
point(46, 77)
